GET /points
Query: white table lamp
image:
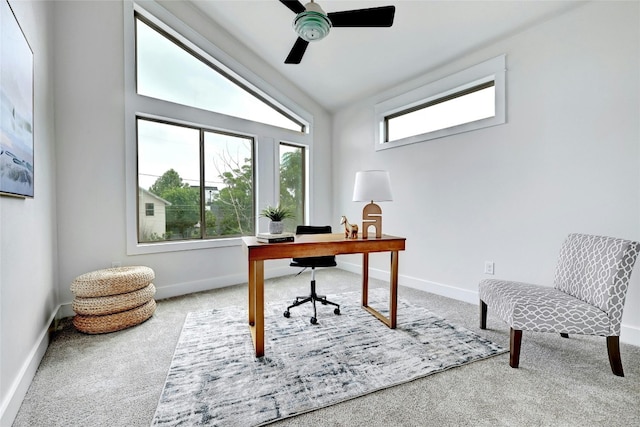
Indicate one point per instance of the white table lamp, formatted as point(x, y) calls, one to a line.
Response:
point(372, 186)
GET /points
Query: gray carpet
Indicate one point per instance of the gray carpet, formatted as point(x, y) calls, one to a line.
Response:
point(215, 379)
point(116, 379)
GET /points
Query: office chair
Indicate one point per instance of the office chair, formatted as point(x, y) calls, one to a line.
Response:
point(313, 262)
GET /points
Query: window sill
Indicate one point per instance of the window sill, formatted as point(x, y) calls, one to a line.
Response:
point(154, 248)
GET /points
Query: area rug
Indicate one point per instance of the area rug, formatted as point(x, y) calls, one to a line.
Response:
point(215, 379)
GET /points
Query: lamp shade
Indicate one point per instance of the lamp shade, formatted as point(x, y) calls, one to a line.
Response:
point(372, 186)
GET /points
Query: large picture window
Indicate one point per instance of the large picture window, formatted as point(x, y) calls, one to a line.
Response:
point(203, 178)
point(203, 151)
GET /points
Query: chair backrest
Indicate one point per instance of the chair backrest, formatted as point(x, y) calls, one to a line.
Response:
point(313, 229)
point(318, 261)
point(596, 270)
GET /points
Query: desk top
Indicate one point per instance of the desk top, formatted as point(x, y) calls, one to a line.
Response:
point(306, 245)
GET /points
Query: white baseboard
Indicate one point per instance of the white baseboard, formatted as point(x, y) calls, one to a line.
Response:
point(18, 389)
point(628, 334)
point(415, 283)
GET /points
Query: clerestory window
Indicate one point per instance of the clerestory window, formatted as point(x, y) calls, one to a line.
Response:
point(169, 70)
point(469, 100)
point(464, 106)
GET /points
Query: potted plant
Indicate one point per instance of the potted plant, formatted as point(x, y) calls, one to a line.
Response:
point(276, 215)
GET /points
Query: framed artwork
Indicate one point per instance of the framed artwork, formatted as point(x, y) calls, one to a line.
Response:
point(16, 107)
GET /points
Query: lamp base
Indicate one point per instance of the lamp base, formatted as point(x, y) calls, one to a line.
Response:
point(371, 217)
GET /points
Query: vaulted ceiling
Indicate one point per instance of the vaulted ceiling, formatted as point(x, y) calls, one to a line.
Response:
point(353, 63)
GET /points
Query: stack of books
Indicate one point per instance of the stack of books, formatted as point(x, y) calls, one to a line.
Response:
point(275, 238)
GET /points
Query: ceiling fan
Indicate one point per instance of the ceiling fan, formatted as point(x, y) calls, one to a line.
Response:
point(313, 24)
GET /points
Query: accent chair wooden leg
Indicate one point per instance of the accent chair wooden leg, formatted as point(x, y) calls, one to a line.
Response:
point(514, 343)
point(613, 348)
point(563, 335)
point(483, 315)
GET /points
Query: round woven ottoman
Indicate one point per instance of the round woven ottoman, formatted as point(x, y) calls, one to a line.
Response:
point(112, 281)
point(113, 299)
point(114, 322)
point(114, 303)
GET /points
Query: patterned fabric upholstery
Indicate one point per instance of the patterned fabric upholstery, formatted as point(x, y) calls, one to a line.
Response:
point(543, 309)
point(596, 270)
point(589, 290)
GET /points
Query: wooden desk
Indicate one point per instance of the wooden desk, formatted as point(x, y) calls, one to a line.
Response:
point(317, 245)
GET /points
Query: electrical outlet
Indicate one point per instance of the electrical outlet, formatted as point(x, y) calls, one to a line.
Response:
point(116, 264)
point(488, 267)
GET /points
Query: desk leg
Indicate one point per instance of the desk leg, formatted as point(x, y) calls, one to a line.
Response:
point(393, 290)
point(365, 280)
point(256, 305)
point(252, 293)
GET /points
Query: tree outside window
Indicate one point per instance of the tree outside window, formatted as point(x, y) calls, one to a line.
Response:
point(292, 183)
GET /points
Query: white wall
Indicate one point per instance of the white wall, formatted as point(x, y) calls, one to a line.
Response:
point(91, 154)
point(76, 222)
point(28, 246)
point(566, 161)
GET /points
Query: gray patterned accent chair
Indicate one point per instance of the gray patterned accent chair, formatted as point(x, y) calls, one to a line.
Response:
point(590, 287)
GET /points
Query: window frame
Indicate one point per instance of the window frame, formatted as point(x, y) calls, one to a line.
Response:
point(305, 180)
point(445, 89)
point(202, 172)
point(266, 137)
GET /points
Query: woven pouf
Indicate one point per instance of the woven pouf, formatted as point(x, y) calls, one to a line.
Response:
point(114, 322)
point(113, 299)
point(112, 281)
point(114, 303)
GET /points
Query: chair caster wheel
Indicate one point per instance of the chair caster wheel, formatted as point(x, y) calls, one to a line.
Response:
point(287, 314)
point(336, 311)
point(314, 320)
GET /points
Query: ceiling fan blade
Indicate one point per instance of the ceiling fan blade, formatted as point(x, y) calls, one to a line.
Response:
point(373, 17)
point(295, 6)
point(297, 51)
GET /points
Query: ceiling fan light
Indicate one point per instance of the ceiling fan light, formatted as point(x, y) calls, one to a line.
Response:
point(312, 26)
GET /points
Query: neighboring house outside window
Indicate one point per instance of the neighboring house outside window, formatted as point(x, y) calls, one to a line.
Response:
point(153, 210)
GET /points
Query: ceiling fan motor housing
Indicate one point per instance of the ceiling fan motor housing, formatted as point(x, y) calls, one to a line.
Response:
point(312, 24)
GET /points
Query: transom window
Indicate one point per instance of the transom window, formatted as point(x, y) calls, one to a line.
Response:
point(465, 106)
point(468, 100)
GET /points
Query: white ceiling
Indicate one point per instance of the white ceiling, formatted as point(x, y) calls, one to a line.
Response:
point(353, 63)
